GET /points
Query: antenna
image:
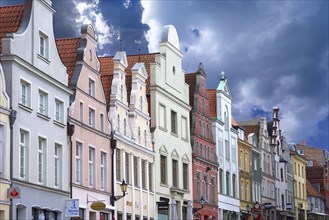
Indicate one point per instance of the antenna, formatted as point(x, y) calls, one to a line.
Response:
point(139, 42)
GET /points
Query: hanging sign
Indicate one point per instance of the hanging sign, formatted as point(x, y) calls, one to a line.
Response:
point(98, 206)
point(72, 207)
point(14, 192)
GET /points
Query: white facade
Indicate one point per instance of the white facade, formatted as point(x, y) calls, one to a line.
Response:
point(170, 112)
point(36, 82)
point(226, 138)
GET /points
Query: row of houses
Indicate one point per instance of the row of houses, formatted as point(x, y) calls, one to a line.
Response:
point(135, 137)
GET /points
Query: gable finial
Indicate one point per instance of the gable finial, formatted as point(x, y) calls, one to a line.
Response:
point(222, 75)
point(201, 69)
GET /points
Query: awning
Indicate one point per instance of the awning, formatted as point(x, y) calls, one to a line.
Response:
point(318, 213)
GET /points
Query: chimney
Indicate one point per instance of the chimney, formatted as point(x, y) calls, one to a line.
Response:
point(303, 142)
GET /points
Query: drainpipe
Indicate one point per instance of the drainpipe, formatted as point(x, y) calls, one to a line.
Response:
point(70, 132)
point(113, 148)
point(12, 118)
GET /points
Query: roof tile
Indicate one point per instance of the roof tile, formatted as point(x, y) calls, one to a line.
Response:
point(212, 103)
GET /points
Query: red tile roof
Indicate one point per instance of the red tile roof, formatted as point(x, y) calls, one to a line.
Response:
point(190, 79)
point(311, 191)
point(234, 123)
point(212, 103)
point(107, 73)
point(249, 129)
point(10, 20)
point(67, 49)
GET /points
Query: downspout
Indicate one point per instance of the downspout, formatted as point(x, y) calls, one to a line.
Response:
point(12, 118)
point(113, 149)
point(70, 132)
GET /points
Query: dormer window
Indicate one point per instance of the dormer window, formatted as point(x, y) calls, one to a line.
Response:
point(43, 45)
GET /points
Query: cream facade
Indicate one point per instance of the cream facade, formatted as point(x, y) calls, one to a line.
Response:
point(170, 112)
point(134, 161)
point(36, 82)
point(4, 148)
point(226, 138)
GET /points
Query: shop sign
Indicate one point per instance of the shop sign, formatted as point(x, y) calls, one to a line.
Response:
point(72, 208)
point(98, 206)
point(268, 205)
point(163, 205)
point(14, 192)
point(288, 206)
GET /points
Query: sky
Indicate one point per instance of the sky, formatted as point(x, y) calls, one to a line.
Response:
point(274, 53)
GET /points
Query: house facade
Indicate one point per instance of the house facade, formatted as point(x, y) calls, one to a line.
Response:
point(36, 82)
point(204, 158)
point(226, 138)
point(315, 203)
point(5, 158)
point(125, 85)
point(170, 112)
point(90, 142)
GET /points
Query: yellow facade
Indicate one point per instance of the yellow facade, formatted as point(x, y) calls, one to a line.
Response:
point(299, 168)
point(4, 150)
point(245, 178)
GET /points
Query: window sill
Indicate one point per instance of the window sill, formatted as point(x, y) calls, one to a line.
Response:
point(60, 124)
point(163, 129)
point(45, 117)
point(174, 134)
point(164, 185)
point(185, 139)
point(43, 59)
point(26, 108)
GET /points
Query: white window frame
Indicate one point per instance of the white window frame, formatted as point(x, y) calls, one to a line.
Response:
point(23, 153)
point(59, 113)
point(91, 117)
point(42, 152)
point(43, 47)
point(162, 117)
point(91, 87)
point(43, 107)
point(184, 128)
point(91, 166)
point(78, 163)
point(101, 118)
point(103, 170)
point(58, 162)
point(25, 93)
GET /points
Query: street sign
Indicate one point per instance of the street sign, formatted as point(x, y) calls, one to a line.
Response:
point(14, 192)
point(72, 207)
point(268, 205)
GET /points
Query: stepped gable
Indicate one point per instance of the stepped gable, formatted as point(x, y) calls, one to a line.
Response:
point(190, 79)
point(107, 74)
point(67, 49)
point(10, 20)
point(212, 103)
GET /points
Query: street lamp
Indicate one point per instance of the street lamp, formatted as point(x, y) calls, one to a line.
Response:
point(123, 186)
point(202, 201)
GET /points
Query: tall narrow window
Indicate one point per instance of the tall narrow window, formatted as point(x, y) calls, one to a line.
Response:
point(92, 117)
point(43, 43)
point(151, 177)
point(43, 103)
point(145, 138)
point(103, 170)
point(206, 187)
point(141, 103)
point(25, 97)
point(91, 90)
point(234, 185)
point(23, 146)
point(143, 174)
point(136, 174)
point(81, 112)
point(227, 150)
point(199, 185)
point(247, 191)
point(41, 159)
point(2, 151)
point(185, 176)
point(175, 173)
point(78, 164)
point(228, 183)
point(220, 181)
point(213, 190)
point(163, 160)
point(184, 128)
point(58, 160)
point(125, 126)
point(246, 159)
point(139, 135)
point(102, 122)
point(127, 167)
point(173, 122)
point(91, 166)
point(121, 93)
point(59, 111)
point(226, 121)
point(255, 164)
point(118, 164)
point(118, 123)
point(162, 116)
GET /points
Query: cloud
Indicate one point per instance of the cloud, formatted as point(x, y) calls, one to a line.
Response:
point(90, 13)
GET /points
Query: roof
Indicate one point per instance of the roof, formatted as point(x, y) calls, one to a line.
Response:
point(313, 153)
point(107, 68)
point(212, 103)
point(10, 20)
point(190, 79)
point(67, 49)
point(311, 191)
point(249, 129)
point(234, 123)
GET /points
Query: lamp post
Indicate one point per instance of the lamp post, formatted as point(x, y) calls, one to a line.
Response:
point(202, 201)
point(123, 186)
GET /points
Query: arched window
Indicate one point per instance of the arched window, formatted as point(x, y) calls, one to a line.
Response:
point(226, 117)
point(118, 123)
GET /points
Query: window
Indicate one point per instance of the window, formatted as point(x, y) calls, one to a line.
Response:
point(247, 191)
point(127, 167)
point(43, 50)
point(173, 122)
point(25, 93)
point(139, 135)
point(255, 164)
point(234, 185)
point(163, 161)
point(213, 190)
point(58, 162)
point(220, 147)
point(241, 160)
point(103, 170)
point(43, 102)
point(310, 163)
point(220, 181)
point(203, 106)
point(151, 177)
point(281, 172)
point(41, 158)
point(162, 116)
point(125, 126)
point(184, 128)
point(91, 90)
point(143, 174)
point(59, 111)
point(92, 117)
point(136, 174)
point(175, 173)
point(118, 164)
point(23, 158)
point(227, 183)
point(118, 123)
point(141, 103)
point(81, 112)
point(121, 93)
point(78, 164)
point(91, 166)
point(242, 190)
point(145, 138)
point(199, 185)
point(185, 176)
point(226, 121)
point(227, 150)
point(102, 121)
point(246, 162)
point(206, 187)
